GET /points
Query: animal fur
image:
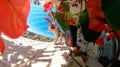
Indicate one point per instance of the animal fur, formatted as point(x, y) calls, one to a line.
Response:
point(58, 34)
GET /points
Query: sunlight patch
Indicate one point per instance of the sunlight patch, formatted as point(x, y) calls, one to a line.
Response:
point(40, 64)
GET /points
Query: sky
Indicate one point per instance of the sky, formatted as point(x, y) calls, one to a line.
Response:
point(36, 21)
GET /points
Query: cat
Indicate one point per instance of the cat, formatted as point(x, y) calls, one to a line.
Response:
point(59, 35)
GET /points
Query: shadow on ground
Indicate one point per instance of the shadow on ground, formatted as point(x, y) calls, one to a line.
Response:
point(18, 55)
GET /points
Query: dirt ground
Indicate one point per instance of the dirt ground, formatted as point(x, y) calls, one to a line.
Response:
point(24, 52)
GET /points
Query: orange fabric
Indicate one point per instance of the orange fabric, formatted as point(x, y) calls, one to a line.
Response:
point(13, 17)
point(70, 42)
point(95, 15)
point(96, 25)
point(2, 46)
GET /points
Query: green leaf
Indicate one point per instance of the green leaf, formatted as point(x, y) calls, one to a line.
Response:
point(111, 9)
point(89, 35)
point(63, 23)
point(81, 53)
point(66, 7)
point(53, 15)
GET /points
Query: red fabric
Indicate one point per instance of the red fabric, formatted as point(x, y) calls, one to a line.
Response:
point(96, 25)
point(95, 12)
point(107, 28)
point(71, 22)
point(76, 50)
point(85, 58)
point(48, 5)
point(111, 36)
point(118, 33)
point(100, 41)
point(59, 7)
point(2, 46)
point(49, 14)
point(48, 20)
point(13, 17)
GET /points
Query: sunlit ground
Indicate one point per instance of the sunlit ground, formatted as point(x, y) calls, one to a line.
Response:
point(30, 53)
point(24, 52)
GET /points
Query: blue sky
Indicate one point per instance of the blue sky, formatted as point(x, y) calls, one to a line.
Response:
point(36, 21)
